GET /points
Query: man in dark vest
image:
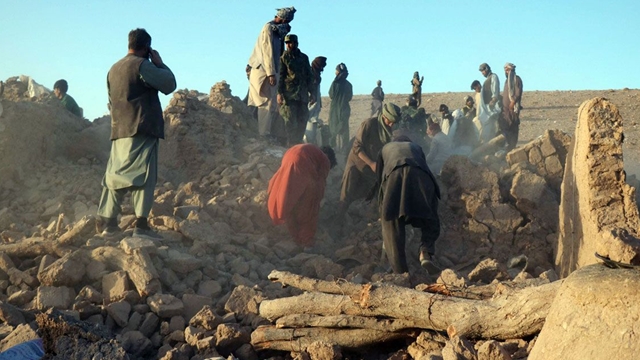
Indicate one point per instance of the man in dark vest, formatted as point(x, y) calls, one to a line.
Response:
point(408, 195)
point(136, 127)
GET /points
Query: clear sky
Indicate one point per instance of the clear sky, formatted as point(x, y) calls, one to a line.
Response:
point(556, 45)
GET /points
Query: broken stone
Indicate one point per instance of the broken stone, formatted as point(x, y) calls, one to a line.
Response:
point(243, 301)
point(182, 263)
point(54, 297)
point(209, 288)
point(165, 305)
point(320, 350)
point(135, 343)
point(194, 303)
point(230, 337)
point(119, 311)
point(115, 285)
point(149, 324)
point(206, 319)
point(62, 272)
point(129, 244)
point(488, 270)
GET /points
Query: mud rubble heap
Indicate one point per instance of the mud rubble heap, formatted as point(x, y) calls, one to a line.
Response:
point(213, 286)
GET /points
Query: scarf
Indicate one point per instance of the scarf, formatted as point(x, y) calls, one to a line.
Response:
point(393, 113)
point(511, 83)
point(342, 72)
point(286, 13)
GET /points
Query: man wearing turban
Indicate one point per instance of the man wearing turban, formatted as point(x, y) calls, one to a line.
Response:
point(359, 173)
point(511, 97)
point(265, 69)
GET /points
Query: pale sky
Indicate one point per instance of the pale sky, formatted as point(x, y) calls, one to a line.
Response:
point(556, 45)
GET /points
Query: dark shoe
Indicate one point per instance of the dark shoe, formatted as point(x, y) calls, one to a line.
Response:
point(146, 234)
point(428, 263)
point(107, 227)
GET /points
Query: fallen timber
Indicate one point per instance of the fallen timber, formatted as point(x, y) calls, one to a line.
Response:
point(335, 312)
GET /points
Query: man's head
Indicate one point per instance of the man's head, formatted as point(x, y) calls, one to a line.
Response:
point(60, 88)
point(379, 82)
point(291, 41)
point(444, 108)
point(140, 41)
point(285, 15)
point(319, 63)
point(468, 100)
point(341, 68)
point(391, 114)
point(475, 85)
point(331, 155)
point(411, 101)
point(416, 75)
point(485, 69)
point(433, 129)
point(509, 67)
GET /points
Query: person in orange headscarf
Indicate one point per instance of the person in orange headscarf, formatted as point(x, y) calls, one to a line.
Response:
point(297, 188)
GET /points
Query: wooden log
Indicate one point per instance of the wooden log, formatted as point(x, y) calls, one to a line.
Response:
point(348, 288)
point(513, 315)
point(343, 321)
point(270, 337)
point(489, 147)
point(33, 247)
point(138, 266)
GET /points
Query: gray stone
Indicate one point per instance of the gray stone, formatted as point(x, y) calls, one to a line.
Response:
point(11, 315)
point(165, 305)
point(192, 334)
point(492, 350)
point(6, 263)
point(149, 324)
point(135, 320)
point(230, 337)
point(54, 297)
point(115, 285)
point(62, 272)
point(96, 270)
point(135, 343)
point(194, 303)
point(119, 311)
point(129, 244)
point(209, 288)
point(243, 301)
point(176, 323)
point(182, 263)
point(451, 277)
point(91, 294)
point(206, 319)
point(318, 350)
point(19, 298)
point(458, 348)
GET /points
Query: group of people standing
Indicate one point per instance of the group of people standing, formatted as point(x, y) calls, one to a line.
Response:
point(284, 86)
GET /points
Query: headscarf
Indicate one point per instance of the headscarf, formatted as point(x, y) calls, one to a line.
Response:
point(379, 82)
point(393, 113)
point(467, 98)
point(484, 66)
point(416, 75)
point(342, 72)
point(281, 29)
point(286, 13)
point(319, 63)
point(511, 80)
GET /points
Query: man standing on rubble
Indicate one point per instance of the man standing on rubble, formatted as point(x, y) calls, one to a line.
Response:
point(377, 97)
point(490, 104)
point(136, 127)
point(408, 195)
point(263, 78)
point(297, 188)
point(296, 90)
point(317, 66)
point(511, 97)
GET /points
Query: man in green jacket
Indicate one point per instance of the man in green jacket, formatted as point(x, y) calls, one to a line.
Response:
point(60, 89)
point(295, 90)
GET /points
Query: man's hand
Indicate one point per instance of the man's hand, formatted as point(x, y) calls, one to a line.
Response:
point(372, 165)
point(513, 105)
point(312, 100)
point(493, 101)
point(272, 80)
point(155, 58)
point(280, 99)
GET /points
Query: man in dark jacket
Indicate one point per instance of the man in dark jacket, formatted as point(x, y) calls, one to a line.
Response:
point(295, 90)
point(408, 195)
point(136, 127)
point(511, 98)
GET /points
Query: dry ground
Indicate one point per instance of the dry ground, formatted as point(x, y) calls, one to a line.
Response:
point(542, 110)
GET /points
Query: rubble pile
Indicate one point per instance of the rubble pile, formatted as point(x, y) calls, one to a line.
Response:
point(198, 293)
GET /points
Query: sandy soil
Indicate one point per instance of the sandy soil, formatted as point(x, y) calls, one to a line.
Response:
point(542, 110)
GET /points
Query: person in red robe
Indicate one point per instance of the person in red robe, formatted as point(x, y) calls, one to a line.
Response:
point(296, 189)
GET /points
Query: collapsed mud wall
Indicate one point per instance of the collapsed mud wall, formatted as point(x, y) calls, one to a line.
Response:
point(598, 212)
